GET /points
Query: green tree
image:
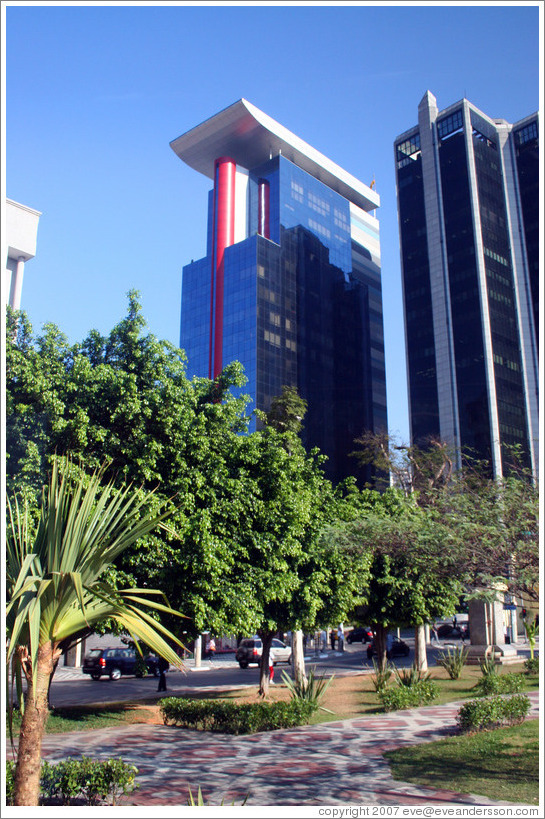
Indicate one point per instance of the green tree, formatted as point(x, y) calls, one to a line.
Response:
point(126, 398)
point(57, 594)
point(278, 563)
point(240, 553)
point(492, 527)
point(410, 577)
point(287, 411)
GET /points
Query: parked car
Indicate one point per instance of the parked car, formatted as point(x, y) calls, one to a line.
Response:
point(451, 629)
point(359, 635)
point(250, 651)
point(117, 662)
point(398, 648)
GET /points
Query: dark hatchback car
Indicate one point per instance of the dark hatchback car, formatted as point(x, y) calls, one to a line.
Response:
point(397, 649)
point(117, 662)
point(359, 635)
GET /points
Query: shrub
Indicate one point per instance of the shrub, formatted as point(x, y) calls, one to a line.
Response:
point(92, 780)
point(500, 684)
point(410, 677)
point(382, 676)
point(488, 667)
point(493, 712)
point(532, 665)
point(453, 661)
point(310, 691)
point(234, 718)
point(404, 696)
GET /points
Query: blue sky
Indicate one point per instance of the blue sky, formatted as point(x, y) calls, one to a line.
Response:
point(94, 95)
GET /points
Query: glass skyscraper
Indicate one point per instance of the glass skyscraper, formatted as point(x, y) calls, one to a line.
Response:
point(291, 284)
point(468, 205)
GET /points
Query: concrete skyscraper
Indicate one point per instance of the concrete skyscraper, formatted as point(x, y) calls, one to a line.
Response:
point(291, 283)
point(468, 205)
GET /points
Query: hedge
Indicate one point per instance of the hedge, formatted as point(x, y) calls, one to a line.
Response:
point(500, 684)
point(493, 712)
point(234, 718)
point(404, 696)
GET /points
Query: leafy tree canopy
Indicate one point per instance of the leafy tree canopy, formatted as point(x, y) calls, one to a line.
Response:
point(241, 551)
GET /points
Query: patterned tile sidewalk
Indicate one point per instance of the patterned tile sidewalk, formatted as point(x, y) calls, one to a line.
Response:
point(337, 763)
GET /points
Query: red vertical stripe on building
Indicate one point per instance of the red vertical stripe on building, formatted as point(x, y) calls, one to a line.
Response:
point(223, 236)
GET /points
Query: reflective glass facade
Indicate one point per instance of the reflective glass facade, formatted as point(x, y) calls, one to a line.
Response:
point(527, 163)
point(303, 308)
point(465, 278)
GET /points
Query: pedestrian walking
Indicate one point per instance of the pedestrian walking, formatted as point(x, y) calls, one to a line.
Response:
point(163, 667)
point(434, 634)
point(271, 666)
point(340, 638)
point(211, 648)
point(332, 639)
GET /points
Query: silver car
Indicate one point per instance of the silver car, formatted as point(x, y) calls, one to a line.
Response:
point(250, 651)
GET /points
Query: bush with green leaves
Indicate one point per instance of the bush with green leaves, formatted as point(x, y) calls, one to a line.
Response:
point(95, 782)
point(453, 661)
point(404, 696)
point(310, 690)
point(532, 665)
point(500, 684)
point(220, 716)
point(493, 712)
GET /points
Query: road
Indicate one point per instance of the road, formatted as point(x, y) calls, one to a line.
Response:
point(71, 687)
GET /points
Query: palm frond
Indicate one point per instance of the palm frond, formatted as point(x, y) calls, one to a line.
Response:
point(54, 574)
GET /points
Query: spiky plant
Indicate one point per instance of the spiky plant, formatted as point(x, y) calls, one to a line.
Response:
point(310, 690)
point(56, 595)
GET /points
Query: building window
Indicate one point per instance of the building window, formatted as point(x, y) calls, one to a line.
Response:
point(318, 204)
point(485, 139)
point(323, 231)
point(296, 191)
point(408, 150)
point(526, 134)
point(450, 125)
point(272, 338)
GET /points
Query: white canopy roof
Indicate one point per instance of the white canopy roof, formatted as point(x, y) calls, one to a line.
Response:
point(250, 137)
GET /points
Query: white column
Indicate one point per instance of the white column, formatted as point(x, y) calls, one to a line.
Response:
point(17, 285)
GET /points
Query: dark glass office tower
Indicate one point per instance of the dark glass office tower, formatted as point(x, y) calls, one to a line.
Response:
point(468, 203)
point(291, 283)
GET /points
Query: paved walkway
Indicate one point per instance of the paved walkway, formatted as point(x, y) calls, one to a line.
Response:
point(338, 763)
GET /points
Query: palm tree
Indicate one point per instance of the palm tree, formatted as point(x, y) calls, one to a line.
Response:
point(56, 595)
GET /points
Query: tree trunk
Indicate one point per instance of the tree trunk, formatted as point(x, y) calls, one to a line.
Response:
point(420, 654)
point(380, 634)
point(29, 752)
point(298, 658)
point(266, 640)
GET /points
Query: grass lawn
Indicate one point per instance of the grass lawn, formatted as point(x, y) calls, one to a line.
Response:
point(89, 717)
point(500, 764)
point(347, 697)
